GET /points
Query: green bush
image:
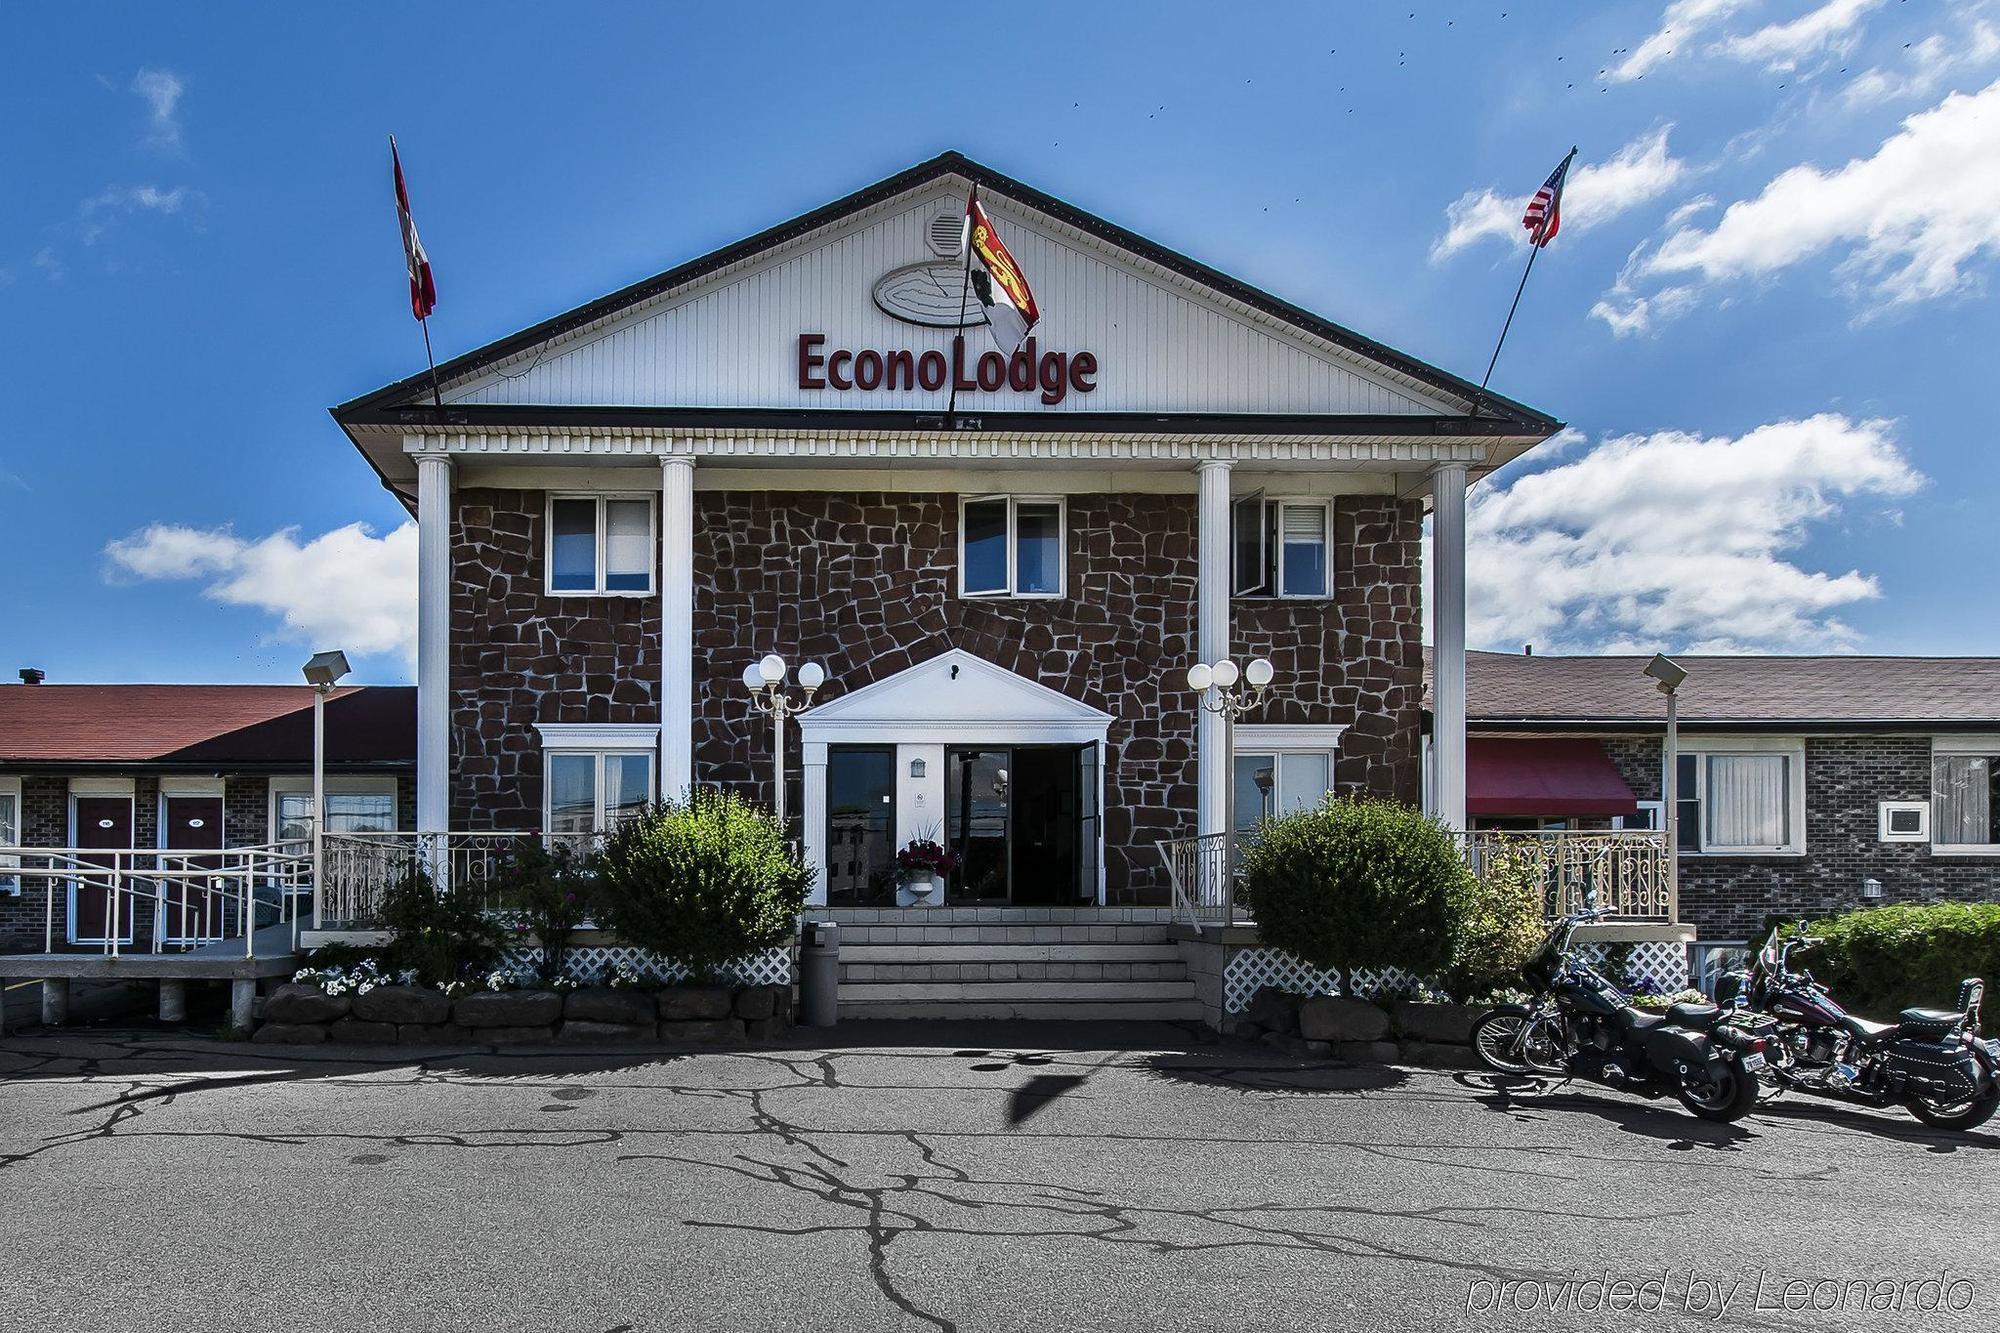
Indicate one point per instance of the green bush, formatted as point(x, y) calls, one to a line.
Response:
point(1505, 922)
point(1359, 882)
point(1882, 959)
point(440, 936)
point(545, 891)
point(705, 883)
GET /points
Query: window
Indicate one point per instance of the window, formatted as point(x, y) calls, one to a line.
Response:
point(1965, 794)
point(353, 805)
point(1652, 815)
point(592, 790)
point(600, 544)
point(1009, 546)
point(1278, 782)
point(1902, 821)
point(1281, 548)
point(10, 834)
point(1745, 798)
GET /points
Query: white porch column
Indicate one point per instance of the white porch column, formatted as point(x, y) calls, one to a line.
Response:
point(814, 758)
point(676, 626)
point(433, 643)
point(1448, 641)
point(1212, 640)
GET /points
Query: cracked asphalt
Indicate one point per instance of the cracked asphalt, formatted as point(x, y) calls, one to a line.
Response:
point(975, 1177)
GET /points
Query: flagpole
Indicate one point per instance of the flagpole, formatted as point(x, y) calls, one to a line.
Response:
point(437, 399)
point(1536, 241)
point(964, 291)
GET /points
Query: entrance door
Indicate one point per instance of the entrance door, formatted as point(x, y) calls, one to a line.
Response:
point(978, 785)
point(1046, 860)
point(860, 825)
point(193, 903)
point(1018, 820)
point(101, 822)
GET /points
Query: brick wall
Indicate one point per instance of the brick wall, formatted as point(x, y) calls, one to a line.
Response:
point(1728, 897)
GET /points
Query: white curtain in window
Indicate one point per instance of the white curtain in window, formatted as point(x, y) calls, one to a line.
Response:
point(1747, 802)
point(628, 544)
point(1963, 812)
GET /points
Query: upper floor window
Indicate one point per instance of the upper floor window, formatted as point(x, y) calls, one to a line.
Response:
point(1281, 548)
point(600, 544)
point(1965, 794)
point(1747, 801)
point(1010, 546)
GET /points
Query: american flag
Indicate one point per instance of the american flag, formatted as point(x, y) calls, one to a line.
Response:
point(1544, 216)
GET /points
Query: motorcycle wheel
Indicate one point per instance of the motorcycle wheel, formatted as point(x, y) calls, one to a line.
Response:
point(1731, 1097)
point(1498, 1032)
point(1970, 1114)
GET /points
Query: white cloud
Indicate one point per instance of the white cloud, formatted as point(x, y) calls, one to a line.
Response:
point(50, 264)
point(1910, 218)
point(343, 589)
point(1931, 62)
point(161, 90)
point(1675, 541)
point(1680, 22)
point(1636, 174)
point(97, 211)
point(1828, 30)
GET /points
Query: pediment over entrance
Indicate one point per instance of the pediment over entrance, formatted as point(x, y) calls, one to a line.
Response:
point(956, 696)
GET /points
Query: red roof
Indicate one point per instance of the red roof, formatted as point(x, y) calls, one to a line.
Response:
point(203, 724)
point(1543, 777)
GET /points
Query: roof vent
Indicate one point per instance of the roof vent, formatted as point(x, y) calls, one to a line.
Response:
point(33, 675)
point(947, 234)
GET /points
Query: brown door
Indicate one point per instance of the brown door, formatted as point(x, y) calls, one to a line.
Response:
point(106, 822)
point(191, 900)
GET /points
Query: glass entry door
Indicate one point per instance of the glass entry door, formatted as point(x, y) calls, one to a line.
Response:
point(1023, 823)
point(978, 823)
point(860, 825)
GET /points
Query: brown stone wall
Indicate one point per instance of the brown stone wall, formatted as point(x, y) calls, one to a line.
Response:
point(520, 656)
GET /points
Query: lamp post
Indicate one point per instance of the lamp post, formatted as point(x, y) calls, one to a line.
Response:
point(765, 679)
point(1667, 676)
point(323, 672)
point(1228, 692)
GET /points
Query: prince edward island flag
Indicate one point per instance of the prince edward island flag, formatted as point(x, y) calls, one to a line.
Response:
point(997, 280)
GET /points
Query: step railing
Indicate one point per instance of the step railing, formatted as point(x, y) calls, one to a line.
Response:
point(195, 899)
point(358, 869)
point(1200, 873)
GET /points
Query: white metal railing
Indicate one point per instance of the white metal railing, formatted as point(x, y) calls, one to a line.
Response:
point(357, 869)
point(195, 899)
point(1626, 871)
point(1199, 871)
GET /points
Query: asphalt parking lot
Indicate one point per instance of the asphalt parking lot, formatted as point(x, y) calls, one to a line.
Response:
point(918, 1177)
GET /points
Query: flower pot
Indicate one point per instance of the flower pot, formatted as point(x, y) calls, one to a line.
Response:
point(920, 891)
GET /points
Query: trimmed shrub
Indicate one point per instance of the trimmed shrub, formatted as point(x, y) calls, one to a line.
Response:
point(1505, 923)
point(546, 892)
point(1881, 959)
point(705, 883)
point(442, 937)
point(1359, 883)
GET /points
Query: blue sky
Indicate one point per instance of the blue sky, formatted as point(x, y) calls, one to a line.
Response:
point(1767, 316)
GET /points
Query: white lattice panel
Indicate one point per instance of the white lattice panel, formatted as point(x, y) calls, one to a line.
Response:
point(772, 967)
point(1250, 970)
point(1658, 966)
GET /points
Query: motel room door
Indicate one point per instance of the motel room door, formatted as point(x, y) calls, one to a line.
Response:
point(192, 902)
point(101, 822)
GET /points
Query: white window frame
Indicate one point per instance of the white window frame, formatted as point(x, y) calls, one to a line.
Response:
point(1942, 746)
point(1885, 809)
point(597, 739)
point(1273, 546)
point(1254, 740)
point(1658, 810)
point(10, 884)
point(1014, 503)
point(337, 784)
point(1706, 747)
point(597, 588)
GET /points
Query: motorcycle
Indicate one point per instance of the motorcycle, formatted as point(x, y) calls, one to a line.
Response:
point(1932, 1061)
point(1580, 1025)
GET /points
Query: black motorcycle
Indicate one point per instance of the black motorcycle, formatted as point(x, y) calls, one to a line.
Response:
point(1580, 1025)
point(1930, 1060)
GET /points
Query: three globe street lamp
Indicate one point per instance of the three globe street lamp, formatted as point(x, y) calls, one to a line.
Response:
point(1224, 689)
point(765, 679)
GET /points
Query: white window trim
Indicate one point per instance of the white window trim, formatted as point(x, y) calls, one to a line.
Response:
point(10, 885)
point(337, 784)
point(1014, 502)
point(1274, 544)
point(1278, 739)
point(1986, 744)
point(599, 735)
point(1705, 746)
point(598, 589)
point(1659, 824)
point(1884, 809)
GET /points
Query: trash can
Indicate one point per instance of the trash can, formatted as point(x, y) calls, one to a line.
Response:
point(819, 973)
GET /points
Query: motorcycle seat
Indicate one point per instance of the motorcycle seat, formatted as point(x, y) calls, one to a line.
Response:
point(1699, 1017)
point(1865, 1029)
point(1930, 1020)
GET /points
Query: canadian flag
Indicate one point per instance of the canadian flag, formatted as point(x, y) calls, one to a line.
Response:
point(996, 279)
point(423, 290)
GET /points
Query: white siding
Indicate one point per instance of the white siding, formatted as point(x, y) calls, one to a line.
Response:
point(731, 340)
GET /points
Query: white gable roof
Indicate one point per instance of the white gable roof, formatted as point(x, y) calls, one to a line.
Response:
point(955, 697)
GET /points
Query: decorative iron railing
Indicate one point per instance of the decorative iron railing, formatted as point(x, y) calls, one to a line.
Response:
point(1198, 869)
point(96, 897)
point(357, 869)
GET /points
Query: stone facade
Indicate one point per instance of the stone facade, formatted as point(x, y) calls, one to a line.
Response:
point(1729, 897)
point(866, 584)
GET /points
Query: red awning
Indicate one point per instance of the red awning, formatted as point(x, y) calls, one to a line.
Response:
point(1552, 778)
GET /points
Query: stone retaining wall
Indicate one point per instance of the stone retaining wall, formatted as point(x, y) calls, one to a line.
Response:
point(1437, 1036)
point(416, 1015)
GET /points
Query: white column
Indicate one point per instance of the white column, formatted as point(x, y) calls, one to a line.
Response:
point(676, 626)
point(433, 643)
point(1212, 640)
point(814, 830)
point(1448, 641)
